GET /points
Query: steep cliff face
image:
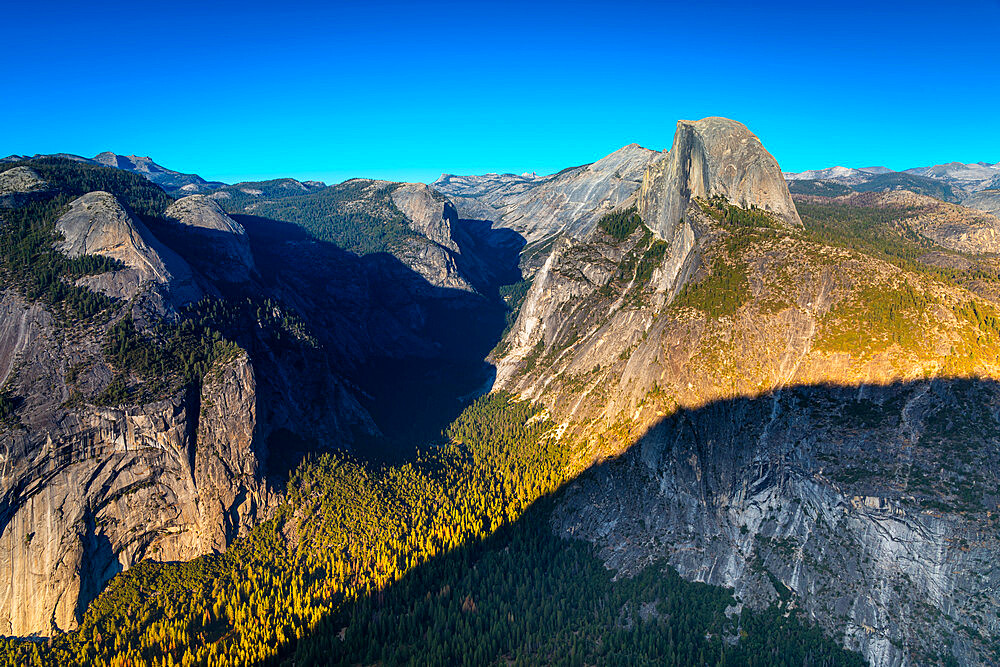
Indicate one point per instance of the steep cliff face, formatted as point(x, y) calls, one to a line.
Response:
point(763, 406)
point(88, 491)
point(429, 213)
point(831, 494)
point(227, 469)
point(218, 244)
point(759, 443)
point(432, 251)
point(713, 157)
point(177, 467)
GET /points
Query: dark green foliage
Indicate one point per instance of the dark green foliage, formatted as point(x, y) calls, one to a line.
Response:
point(735, 216)
point(7, 407)
point(242, 196)
point(172, 355)
point(820, 188)
point(356, 215)
point(28, 261)
point(30, 264)
point(983, 316)
point(722, 293)
point(527, 597)
point(498, 419)
point(872, 230)
point(532, 357)
point(744, 227)
point(650, 259)
point(513, 296)
point(237, 319)
point(71, 179)
point(922, 185)
point(620, 224)
point(882, 233)
point(881, 183)
point(434, 562)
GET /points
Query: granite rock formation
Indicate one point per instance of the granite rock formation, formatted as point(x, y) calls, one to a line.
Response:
point(87, 491)
point(540, 207)
point(220, 244)
point(20, 180)
point(97, 224)
point(713, 157)
point(743, 429)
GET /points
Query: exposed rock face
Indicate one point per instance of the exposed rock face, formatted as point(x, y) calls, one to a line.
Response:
point(219, 243)
point(433, 255)
point(746, 445)
point(434, 263)
point(743, 490)
point(985, 200)
point(971, 177)
point(753, 438)
point(20, 180)
point(227, 470)
point(88, 491)
point(97, 224)
point(20, 185)
point(429, 212)
point(839, 174)
point(713, 157)
point(569, 202)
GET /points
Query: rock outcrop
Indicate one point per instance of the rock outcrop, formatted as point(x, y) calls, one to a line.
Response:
point(97, 224)
point(539, 207)
point(713, 157)
point(985, 200)
point(19, 185)
point(218, 245)
point(18, 180)
point(771, 496)
point(752, 437)
point(744, 431)
point(227, 470)
point(87, 491)
point(429, 212)
point(432, 251)
point(177, 469)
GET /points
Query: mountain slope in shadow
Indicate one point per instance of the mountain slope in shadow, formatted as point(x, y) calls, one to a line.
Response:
point(869, 509)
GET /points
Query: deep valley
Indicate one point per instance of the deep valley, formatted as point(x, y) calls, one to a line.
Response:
point(665, 408)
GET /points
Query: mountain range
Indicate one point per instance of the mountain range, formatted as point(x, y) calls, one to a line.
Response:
point(974, 185)
point(730, 414)
point(169, 180)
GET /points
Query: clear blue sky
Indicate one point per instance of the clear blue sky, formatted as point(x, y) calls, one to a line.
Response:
point(236, 91)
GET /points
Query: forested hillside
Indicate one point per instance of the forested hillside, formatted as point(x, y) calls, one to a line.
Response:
point(357, 215)
point(449, 559)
